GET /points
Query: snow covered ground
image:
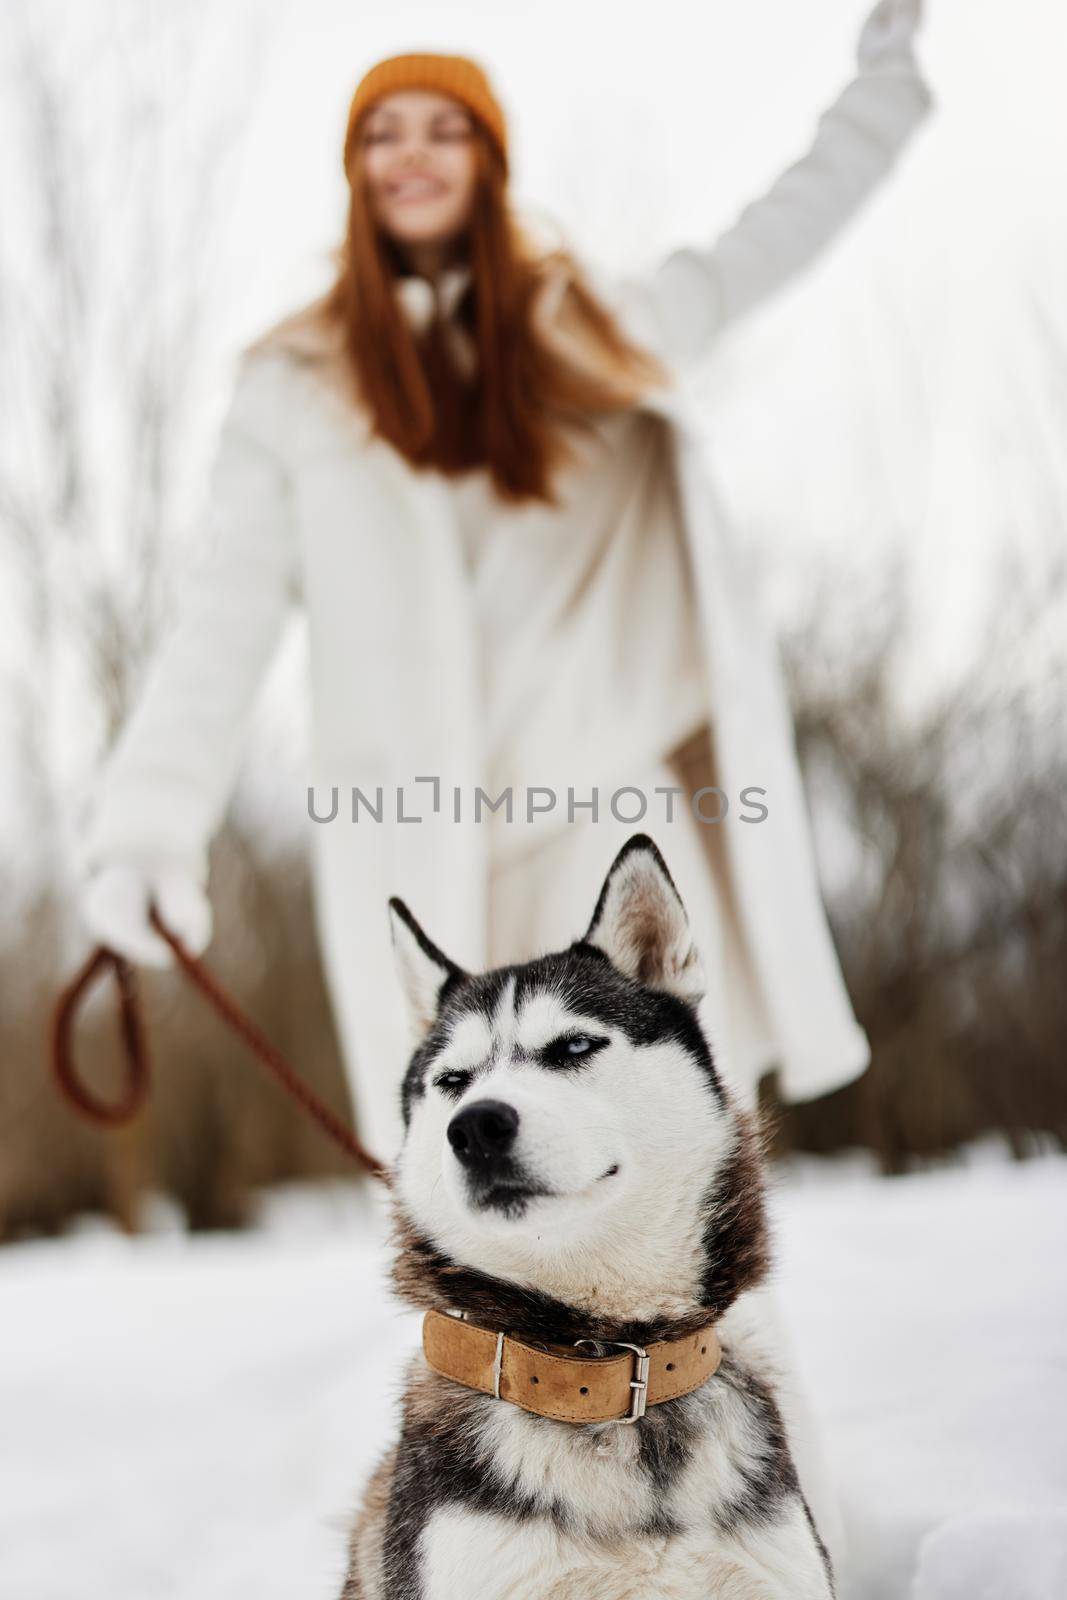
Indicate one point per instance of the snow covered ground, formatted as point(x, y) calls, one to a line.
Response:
point(190, 1418)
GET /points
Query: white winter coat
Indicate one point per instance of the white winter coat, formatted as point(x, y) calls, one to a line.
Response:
point(311, 510)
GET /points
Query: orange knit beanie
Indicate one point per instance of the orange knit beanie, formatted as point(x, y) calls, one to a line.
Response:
point(457, 76)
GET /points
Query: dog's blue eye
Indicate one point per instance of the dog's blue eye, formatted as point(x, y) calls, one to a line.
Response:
point(572, 1047)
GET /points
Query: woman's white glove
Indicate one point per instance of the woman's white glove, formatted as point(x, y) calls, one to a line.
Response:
point(115, 904)
point(889, 29)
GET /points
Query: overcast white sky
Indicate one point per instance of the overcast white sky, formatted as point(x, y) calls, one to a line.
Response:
point(902, 391)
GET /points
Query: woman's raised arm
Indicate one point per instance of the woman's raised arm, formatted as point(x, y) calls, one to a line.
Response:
point(164, 788)
point(696, 292)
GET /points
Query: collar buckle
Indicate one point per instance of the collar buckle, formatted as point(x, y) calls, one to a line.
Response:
point(498, 1362)
point(639, 1381)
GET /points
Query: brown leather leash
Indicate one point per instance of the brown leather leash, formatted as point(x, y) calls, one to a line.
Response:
point(113, 1114)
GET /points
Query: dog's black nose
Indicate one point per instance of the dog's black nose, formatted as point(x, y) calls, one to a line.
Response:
point(483, 1132)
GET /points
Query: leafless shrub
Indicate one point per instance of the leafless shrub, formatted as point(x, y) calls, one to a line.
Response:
point(109, 270)
point(950, 907)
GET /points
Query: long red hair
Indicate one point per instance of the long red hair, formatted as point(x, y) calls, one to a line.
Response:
point(510, 416)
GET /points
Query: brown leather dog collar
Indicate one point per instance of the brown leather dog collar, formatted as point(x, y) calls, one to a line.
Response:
point(553, 1381)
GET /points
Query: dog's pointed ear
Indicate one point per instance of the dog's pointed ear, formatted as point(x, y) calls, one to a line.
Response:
point(641, 924)
point(423, 968)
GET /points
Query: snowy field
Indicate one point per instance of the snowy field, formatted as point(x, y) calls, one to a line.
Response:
point(190, 1418)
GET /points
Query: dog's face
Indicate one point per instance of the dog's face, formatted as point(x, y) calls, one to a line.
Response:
point(565, 1116)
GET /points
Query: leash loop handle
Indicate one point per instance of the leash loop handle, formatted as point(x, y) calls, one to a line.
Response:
point(138, 1076)
point(115, 1113)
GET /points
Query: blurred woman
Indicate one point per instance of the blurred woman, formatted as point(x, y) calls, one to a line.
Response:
point(471, 463)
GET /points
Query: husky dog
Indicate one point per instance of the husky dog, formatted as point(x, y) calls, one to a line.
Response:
point(578, 1206)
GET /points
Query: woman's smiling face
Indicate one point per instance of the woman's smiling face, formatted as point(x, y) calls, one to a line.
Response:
point(419, 156)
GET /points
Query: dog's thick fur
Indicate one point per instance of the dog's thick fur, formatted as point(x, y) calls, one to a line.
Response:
point(630, 1207)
